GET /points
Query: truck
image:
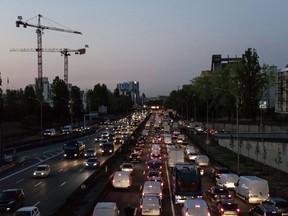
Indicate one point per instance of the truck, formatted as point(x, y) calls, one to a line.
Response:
point(175, 155)
point(252, 189)
point(74, 149)
point(187, 182)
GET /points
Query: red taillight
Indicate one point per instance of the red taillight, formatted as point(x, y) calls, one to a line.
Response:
point(222, 210)
point(229, 195)
point(208, 214)
point(238, 210)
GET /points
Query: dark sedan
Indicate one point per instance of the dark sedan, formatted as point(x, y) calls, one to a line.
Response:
point(280, 203)
point(216, 193)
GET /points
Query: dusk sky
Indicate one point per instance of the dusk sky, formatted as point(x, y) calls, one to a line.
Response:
point(162, 44)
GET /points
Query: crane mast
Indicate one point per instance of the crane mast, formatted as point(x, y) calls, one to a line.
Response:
point(39, 30)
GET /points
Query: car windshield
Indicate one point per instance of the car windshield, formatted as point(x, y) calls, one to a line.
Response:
point(90, 151)
point(40, 168)
point(221, 191)
point(125, 166)
point(92, 160)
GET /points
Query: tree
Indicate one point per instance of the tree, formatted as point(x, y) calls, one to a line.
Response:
point(278, 160)
point(257, 152)
point(248, 148)
point(251, 82)
point(76, 104)
point(60, 97)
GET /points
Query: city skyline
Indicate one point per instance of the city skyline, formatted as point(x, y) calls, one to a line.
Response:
point(160, 44)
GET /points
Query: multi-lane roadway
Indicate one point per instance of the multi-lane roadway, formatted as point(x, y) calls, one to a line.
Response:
point(48, 194)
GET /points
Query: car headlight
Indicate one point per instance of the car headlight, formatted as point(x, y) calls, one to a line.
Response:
point(102, 150)
point(87, 164)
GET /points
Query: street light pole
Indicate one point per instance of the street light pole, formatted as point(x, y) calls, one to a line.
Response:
point(41, 121)
point(237, 122)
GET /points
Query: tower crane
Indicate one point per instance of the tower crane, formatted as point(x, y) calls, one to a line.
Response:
point(64, 52)
point(39, 32)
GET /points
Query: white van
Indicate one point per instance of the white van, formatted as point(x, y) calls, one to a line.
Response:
point(189, 149)
point(195, 207)
point(252, 189)
point(106, 208)
point(122, 179)
point(202, 160)
point(152, 188)
point(150, 205)
point(227, 180)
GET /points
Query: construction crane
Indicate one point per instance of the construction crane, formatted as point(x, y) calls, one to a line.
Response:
point(39, 32)
point(64, 52)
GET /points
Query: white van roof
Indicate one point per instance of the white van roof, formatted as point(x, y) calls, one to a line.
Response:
point(104, 208)
point(198, 201)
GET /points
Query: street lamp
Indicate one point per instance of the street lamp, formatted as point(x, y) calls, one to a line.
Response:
point(237, 127)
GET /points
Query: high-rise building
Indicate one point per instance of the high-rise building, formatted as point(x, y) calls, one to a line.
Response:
point(130, 88)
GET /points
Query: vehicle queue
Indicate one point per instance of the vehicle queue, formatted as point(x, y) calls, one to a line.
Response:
point(151, 152)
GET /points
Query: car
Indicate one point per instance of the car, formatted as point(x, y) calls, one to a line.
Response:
point(138, 150)
point(217, 171)
point(128, 167)
point(92, 163)
point(264, 210)
point(155, 154)
point(118, 140)
point(153, 173)
point(216, 193)
point(155, 147)
point(122, 179)
point(103, 141)
point(195, 207)
point(134, 158)
point(98, 138)
point(106, 209)
point(150, 205)
point(49, 132)
point(192, 156)
point(11, 199)
point(228, 207)
point(280, 203)
point(154, 164)
point(90, 152)
point(28, 211)
point(42, 171)
point(156, 179)
point(170, 146)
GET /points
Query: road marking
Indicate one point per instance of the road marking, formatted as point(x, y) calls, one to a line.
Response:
point(144, 172)
point(26, 168)
point(81, 170)
point(38, 184)
point(36, 203)
point(62, 184)
point(60, 170)
point(170, 193)
point(140, 187)
point(20, 181)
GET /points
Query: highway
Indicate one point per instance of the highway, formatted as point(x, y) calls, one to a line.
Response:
point(48, 194)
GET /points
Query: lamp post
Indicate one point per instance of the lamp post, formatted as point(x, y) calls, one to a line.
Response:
point(237, 127)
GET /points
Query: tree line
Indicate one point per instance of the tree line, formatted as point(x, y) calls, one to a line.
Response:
point(220, 94)
point(28, 106)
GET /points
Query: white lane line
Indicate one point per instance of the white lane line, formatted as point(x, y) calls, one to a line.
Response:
point(20, 181)
point(62, 184)
point(38, 184)
point(9, 176)
point(144, 172)
point(37, 203)
point(60, 170)
point(81, 170)
point(140, 187)
point(169, 186)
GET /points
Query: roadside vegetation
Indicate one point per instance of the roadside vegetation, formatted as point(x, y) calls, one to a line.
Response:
point(278, 183)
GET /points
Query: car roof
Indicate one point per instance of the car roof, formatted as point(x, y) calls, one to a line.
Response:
point(43, 165)
point(27, 208)
point(105, 205)
point(192, 202)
